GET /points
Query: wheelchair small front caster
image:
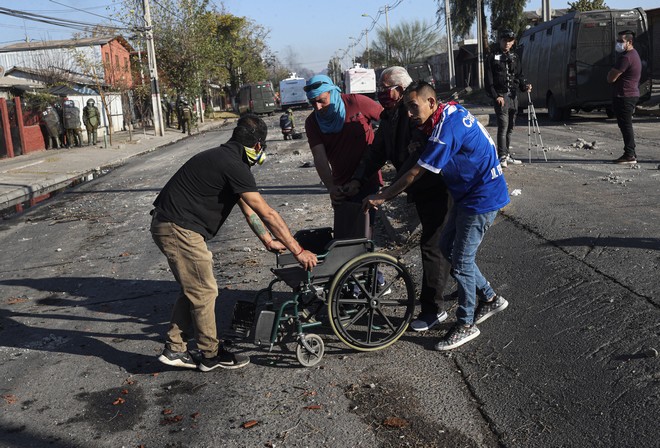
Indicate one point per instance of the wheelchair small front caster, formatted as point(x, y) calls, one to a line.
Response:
point(310, 349)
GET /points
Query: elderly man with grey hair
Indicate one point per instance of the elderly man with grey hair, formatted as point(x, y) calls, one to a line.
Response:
point(399, 141)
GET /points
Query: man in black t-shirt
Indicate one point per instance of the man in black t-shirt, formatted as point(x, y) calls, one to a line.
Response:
point(190, 210)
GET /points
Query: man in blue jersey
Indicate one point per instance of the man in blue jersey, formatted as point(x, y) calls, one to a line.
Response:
point(459, 148)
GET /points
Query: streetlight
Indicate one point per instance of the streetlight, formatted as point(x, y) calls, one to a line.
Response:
point(387, 33)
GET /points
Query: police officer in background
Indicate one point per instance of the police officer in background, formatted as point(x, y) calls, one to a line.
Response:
point(186, 117)
point(72, 124)
point(504, 77)
point(91, 119)
point(53, 125)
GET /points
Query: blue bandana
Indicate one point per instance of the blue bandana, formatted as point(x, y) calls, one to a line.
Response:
point(332, 121)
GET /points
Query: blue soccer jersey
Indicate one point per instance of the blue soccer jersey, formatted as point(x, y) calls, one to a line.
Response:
point(462, 150)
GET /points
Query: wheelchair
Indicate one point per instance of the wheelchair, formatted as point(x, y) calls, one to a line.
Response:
point(366, 298)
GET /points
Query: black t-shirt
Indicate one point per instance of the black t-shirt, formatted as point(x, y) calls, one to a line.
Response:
point(200, 196)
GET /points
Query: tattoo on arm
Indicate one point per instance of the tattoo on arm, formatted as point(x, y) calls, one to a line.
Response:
point(257, 226)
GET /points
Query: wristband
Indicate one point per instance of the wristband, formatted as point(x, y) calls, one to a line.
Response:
point(268, 244)
point(301, 251)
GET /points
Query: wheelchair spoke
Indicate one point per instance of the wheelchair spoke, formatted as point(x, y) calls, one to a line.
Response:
point(387, 319)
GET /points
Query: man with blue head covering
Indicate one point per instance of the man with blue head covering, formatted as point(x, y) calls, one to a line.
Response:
point(339, 132)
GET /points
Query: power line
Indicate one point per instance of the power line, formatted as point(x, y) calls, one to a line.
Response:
point(90, 13)
point(73, 24)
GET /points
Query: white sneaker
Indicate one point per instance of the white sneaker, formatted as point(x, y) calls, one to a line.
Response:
point(513, 161)
point(503, 161)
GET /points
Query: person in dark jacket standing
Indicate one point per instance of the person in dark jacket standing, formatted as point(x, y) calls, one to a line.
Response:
point(399, 141)
point(625, 76)
point(190, 210)
point(504, 77)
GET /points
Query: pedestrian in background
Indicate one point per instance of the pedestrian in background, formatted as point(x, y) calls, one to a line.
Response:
point(339, 131)
point(459, 147)
point(399, 141)
point(625, 76)
point(504, 77)
point(91, 119)
point(189, 210)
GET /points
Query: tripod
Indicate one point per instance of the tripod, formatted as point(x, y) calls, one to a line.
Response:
point(533, 128)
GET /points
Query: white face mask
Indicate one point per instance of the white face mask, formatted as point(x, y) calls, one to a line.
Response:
point(620, 47)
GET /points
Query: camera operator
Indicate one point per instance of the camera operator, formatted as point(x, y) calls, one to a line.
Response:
point(503, 79)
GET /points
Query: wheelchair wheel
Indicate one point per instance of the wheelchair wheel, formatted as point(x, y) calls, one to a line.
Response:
point(371, 301)
point(310, 355)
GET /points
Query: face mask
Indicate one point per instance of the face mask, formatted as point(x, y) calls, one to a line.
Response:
point(620, 47)
point(254, 157)
point(385, 100)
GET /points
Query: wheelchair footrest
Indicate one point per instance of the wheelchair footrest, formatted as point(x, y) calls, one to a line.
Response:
point(243, 318)
point(264, 328)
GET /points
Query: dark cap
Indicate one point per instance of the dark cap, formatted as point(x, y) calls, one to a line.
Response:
point(507, 34)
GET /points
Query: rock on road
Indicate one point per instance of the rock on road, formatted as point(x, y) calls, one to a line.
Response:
point(85, 300)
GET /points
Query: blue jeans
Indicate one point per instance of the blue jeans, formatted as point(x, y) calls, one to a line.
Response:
point(459, 243)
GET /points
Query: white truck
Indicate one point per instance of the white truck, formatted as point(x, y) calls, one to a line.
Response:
point(292, 93)
point(360, 80)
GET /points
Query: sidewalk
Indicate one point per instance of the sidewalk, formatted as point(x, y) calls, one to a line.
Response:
point(29, 178)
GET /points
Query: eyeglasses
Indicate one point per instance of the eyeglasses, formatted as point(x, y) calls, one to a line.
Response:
point(313, 86)
point(382, 89)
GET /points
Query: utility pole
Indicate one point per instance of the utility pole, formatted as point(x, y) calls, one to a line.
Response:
point(153, 72)
point(366, 33)
point(480, 48)
point(387, 36)
point(546, 12)
point(450, 48)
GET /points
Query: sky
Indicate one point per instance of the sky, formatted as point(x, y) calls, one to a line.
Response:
point(311, 31)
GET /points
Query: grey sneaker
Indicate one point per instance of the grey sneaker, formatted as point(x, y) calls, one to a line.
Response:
point(427, 321)
point(177, 359)
point(487, 309)
point(225, 360)
point(458, 335)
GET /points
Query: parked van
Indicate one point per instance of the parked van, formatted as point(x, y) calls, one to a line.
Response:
point(567, 59)
point(256, 98)
point(360, 80)
point(421, 71)
point(292, 93)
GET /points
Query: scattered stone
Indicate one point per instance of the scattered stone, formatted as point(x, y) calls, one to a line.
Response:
point(650, 353)
point(516, 192)
point(307, 165)
point(59, 249)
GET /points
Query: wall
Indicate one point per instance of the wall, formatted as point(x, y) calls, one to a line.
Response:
point(117, 64)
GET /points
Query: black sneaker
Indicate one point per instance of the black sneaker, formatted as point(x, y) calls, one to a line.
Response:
point(177, 359)
point(427, 321)
point(225, 360)
point(458, 335)
point(625, 160)
point(487, 309)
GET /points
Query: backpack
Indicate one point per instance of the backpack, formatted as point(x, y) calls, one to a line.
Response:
point(285, 121)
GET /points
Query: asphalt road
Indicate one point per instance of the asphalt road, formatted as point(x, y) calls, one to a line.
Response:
point(85, 300)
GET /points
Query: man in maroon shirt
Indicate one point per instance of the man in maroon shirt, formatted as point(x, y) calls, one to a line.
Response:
point(625, 76)
point(339, 132)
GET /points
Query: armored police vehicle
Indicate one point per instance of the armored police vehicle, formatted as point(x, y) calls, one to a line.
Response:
point(567, 59)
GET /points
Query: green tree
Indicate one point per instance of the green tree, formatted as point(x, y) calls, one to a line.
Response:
point(409, 42)
point(587, 5)
point(504, 14)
